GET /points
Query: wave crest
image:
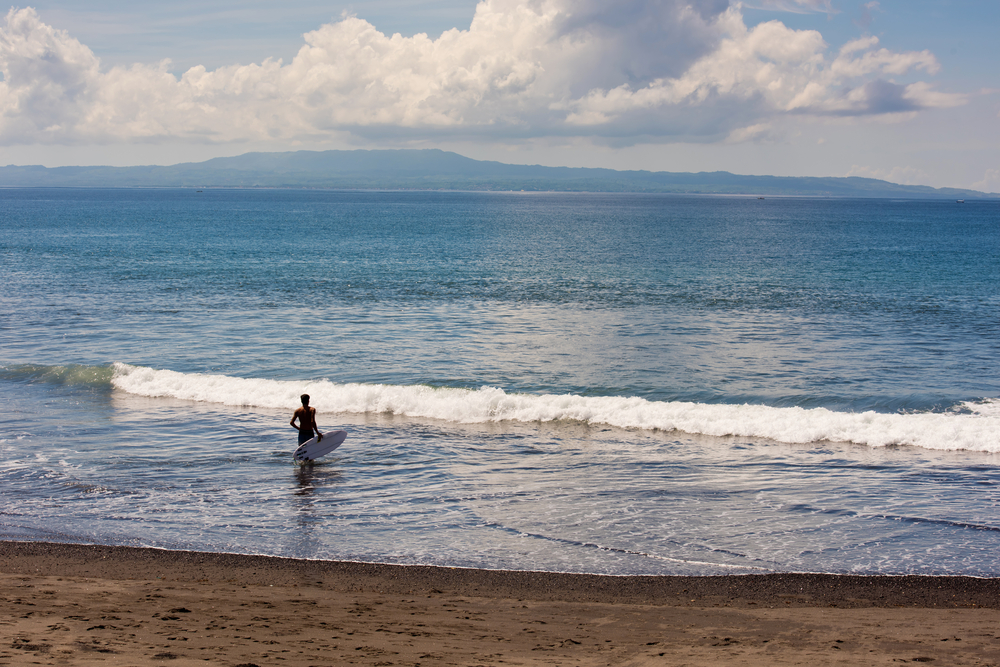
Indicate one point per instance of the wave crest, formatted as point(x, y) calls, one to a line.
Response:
point(70, 374)
point(977, 428)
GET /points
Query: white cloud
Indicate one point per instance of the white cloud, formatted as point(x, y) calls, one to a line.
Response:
point(900, 175)
point(526, 68)
point(770, 69)
point(866, 18)
point(990, 182)
point(758, 132)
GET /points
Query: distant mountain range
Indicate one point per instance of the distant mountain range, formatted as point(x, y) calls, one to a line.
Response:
point(440, 170)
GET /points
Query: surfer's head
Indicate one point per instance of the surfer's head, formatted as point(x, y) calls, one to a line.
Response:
point(305, 399)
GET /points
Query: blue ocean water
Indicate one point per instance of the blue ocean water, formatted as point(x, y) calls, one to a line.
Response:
point(616, 384)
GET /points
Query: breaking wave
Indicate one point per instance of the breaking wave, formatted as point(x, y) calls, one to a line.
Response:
point(974, 427)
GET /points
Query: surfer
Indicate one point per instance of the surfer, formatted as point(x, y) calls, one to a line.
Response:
point(307, 421)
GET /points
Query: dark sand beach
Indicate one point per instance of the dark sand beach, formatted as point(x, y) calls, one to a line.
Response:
point(82, 605)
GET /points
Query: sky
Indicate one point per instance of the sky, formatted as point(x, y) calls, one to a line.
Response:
point(903, 90)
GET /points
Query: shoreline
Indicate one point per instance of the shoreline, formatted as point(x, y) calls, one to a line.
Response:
point(68, 604)
point(841, 590)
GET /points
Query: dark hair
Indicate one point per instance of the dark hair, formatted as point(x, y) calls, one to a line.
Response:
point(305, 398)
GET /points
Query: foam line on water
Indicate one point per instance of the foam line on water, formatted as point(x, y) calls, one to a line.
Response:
point(976, 428)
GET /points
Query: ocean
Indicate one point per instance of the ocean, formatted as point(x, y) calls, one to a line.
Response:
point(611, 384)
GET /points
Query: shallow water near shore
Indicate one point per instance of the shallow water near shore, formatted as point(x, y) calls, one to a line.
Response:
point(627, 384)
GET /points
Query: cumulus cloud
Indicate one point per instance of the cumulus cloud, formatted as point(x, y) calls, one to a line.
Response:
point(901, 175)
point(990, 182)
point(772, 69)
point(674, 69)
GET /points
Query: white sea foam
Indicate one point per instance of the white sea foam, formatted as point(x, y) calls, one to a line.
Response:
point(977, 428)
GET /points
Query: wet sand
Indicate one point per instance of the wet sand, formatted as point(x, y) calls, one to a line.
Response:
point(83, 605)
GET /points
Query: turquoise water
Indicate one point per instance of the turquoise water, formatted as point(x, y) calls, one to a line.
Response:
point(573, 382)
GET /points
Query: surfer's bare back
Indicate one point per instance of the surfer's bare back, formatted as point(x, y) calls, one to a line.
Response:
point(307, 421)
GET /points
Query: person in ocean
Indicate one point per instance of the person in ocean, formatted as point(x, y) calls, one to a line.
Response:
point(307, 421)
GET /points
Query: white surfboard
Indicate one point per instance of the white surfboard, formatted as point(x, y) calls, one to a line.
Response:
point(310, 450)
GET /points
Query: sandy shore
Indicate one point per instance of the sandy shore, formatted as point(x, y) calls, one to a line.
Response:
point(82, 605)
